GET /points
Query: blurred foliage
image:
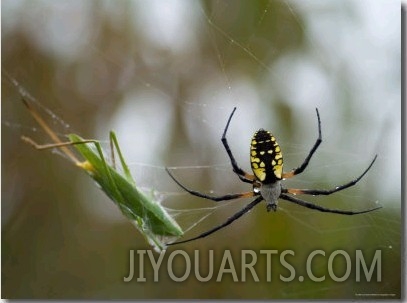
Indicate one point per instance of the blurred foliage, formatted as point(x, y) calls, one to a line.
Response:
point(54, 246)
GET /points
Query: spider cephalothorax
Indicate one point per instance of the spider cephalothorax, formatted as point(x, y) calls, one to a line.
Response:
point(266, 161)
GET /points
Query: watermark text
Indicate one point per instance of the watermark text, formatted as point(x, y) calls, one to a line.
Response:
point(318, 266)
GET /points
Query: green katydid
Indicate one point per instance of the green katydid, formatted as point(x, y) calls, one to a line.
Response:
point(150, 218)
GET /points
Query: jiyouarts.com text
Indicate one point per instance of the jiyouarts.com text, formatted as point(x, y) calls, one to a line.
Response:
point(266, 265)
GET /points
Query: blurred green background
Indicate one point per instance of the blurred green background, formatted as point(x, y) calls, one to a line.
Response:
point(165, 75)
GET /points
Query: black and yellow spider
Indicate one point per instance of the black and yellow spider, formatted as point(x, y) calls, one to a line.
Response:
point(267, 164)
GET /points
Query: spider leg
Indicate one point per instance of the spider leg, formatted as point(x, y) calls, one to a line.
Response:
point(244, 176)
point(304, 165)
point(216, 199)
point(295, 191)
point(324, 209)
point(231, 219)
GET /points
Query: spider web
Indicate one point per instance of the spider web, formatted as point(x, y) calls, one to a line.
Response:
point(179, 118)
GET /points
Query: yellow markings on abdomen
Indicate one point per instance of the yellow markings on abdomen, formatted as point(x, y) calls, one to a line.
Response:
point(266, 158)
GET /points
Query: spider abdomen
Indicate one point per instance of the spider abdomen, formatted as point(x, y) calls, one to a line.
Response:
point(266, 158)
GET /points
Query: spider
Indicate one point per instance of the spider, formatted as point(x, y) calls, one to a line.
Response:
point(267, 165)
